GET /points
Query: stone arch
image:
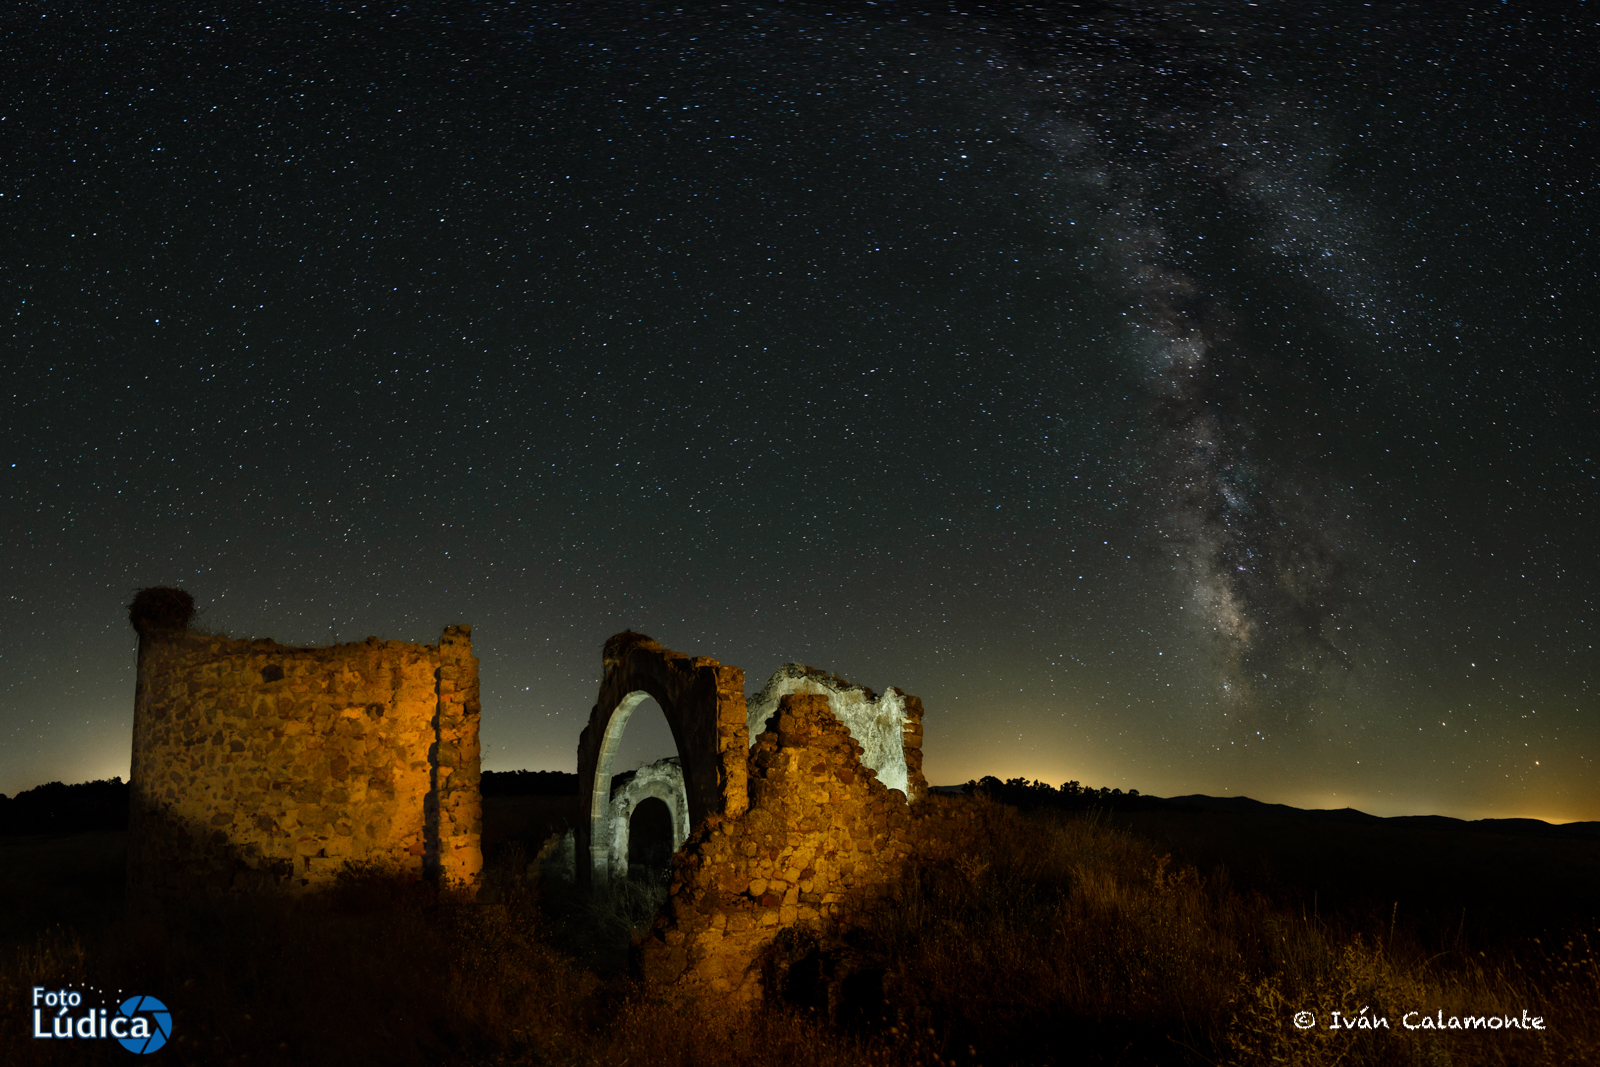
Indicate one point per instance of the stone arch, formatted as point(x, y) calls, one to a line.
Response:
point(703, 703)
point(661, 780)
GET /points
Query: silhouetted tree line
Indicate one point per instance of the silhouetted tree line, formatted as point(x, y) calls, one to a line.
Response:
point(528, 784)
point(1071, 796)
point(54, 808)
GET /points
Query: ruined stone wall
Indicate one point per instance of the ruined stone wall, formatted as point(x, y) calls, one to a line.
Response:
point(888, 728)
point(822, 841)
point(456, 760)
point(258, 766)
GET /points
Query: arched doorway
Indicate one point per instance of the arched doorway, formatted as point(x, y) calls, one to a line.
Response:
point(647, 773)
point(650, 801)
point(703, 704)
point(650, 839)
point(600, 820)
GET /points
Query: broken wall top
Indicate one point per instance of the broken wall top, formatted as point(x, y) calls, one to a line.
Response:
point(878, 724)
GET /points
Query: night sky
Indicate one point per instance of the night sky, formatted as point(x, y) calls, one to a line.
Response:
point(1195, 398)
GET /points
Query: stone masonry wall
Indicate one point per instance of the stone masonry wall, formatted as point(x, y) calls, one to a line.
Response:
point(889, 727)
point(911, 732)
point(456, 759)
point(821, 842)
point(262, 767)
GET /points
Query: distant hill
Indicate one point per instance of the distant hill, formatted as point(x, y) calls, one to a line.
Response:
point(529, 784)
point(54, 808)
point(1072, 796)
point(1199, 802)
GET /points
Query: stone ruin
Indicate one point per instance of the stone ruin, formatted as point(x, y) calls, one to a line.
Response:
point(704, 705)
point(260, 767)
point(806, 801)
point(661, 781)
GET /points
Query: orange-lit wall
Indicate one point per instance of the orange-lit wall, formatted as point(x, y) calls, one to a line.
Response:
point(258, 766)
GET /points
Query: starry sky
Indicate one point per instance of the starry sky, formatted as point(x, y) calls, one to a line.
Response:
point(1188, 397)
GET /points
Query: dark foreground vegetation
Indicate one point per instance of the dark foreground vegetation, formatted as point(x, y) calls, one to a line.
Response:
point(1080, 941)
point(54, 808)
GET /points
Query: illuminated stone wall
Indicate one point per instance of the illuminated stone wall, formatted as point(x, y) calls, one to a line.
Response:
point(888, 728)
point(260, 767)
point(822, 841)
point(662, 780)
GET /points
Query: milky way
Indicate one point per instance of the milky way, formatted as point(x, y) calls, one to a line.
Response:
point(1191, 399)
point(1183, 171)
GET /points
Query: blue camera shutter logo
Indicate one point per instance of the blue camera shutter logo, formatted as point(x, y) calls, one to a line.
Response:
point(160, 1023)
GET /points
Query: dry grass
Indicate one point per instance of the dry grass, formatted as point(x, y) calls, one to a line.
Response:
point(1079, 936)
point(1073, 944)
